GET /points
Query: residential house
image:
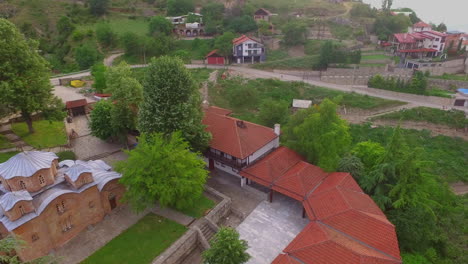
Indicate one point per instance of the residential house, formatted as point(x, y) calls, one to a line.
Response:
point(235, 143)
point(184, 28)
point(421, 42)
point(248, 50)
point(213, 58)
point(46, 203)
point(455, 40)
point(262, 14)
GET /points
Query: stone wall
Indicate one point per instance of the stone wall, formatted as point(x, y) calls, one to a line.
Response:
point(179, 249)
point(450, 67)
point(361, 76)
point(303, 74)
point(222, 209)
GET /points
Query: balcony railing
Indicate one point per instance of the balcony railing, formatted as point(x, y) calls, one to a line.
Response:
point(237, 164)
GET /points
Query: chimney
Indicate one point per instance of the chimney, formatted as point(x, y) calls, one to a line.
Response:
point(277, 129)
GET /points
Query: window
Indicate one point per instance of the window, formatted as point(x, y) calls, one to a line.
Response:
point(67, 224)
point(60, 207)
point(91, 204)
point(21, 209)
point(41, 180)
point(22, 185)
point(34, 237)
point(437, 39)
point(83, 180)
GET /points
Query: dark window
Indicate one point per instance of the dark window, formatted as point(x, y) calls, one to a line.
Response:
point(21, 209)
point(437, 39)
point(34, 237)
point(91, 204)
point(60, 207)
point(41, 180)
point(22, 185)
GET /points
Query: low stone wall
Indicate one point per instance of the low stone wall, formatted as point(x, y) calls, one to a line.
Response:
point(446, 84)
point(361, 76)
point(180, 249)
point(309, 74)
point(222, 209)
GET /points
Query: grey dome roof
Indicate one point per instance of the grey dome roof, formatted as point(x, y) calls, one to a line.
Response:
point(76, 170)
point(25, 164)
point(9, 199)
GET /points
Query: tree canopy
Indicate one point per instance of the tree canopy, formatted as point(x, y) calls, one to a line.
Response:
point(227, 248)
point(223, 43)
point(24, 77)
point(98, 7)
point(294, 33)
point(172, 102)
point(160, 25)
point(162, 168)
point(100, 123)
point(319, 134)
point(179, 7)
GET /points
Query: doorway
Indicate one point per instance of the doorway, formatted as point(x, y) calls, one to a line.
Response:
point(112, 201)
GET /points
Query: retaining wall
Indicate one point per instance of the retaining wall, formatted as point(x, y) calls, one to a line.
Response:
point(361, 76)
point(447, 83)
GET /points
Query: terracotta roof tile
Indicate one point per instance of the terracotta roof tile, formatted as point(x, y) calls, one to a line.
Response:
point(236, 137)
point(76, 103)
point(421, 24)
point(213, 52)
point(285, 259)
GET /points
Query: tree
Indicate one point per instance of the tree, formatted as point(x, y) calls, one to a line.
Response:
point(98, 71)
point(227, 248)
point(105, 35)
point(98, 7)
point(326, 55)
point(213, 12)
point(127, 94)
point(86, 56)
point(414, 18)
point(24, 77)
point(223, 44)
point(12, 243)
point(272, 112)
point(100, 123)
point(323, 137)
point(179, 7)
point(162, 168)
point(263, 28)
point(294, 33)
point(241, 24)
point(352, 165)
point(172, 102)
point(160, 25)
point(64, 26)
point(441, 27)
point(131, 43)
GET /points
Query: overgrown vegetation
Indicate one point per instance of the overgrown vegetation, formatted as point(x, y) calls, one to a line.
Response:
point(451, 118)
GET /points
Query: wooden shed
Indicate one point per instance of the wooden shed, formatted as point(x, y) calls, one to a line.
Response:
point(213, 58)
point(76, 107)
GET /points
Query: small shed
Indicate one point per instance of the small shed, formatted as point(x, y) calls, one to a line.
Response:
point(76, 107)
point(302, 104)
point(213, 58)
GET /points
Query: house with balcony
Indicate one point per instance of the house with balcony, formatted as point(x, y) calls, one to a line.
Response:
point(248, 50)
point(235, 143)
point(190, 25)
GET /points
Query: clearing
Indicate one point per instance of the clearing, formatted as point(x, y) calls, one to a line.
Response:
point(48, 133)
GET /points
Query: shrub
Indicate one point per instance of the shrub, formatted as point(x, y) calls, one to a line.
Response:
point(66, 155)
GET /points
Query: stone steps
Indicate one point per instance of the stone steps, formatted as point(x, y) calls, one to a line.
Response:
point(207, 231)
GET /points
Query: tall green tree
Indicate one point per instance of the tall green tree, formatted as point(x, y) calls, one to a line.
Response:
point(160, 25)
point(105, 35)
point(101, 120)
point(86, 56)
point(162, 169)
point(98, 71)
point(98, 7)
point(227, 248)
point(322, 136)
point(10, 244)
point(64, 26)
point(223, 43)
point(179, 7)
point(24, 77)
point(294, 33)
point(172, 102)
point(272, 112)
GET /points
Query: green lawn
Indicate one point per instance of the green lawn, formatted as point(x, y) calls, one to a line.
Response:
point(200, 208)
point(274, 55)
point(375, 57)
point(48, 133)
point(4, 156)
point(452, 118)
point(121, 25)
point(5, 143)
point(307, 62)
point(141, 243)
point(198, 48)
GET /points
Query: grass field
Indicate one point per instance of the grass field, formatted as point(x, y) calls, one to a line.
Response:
point(454, 77)
point(245, 96)
point(122, 24)
point(375, 57)
point(5, 143)
point(447, 155)
point(141, 243)
point(274, 55)
point(307, 62)
point(48, 133)
point(200, 208)
point(199, 75)
point(4, 156)
point(452, 118)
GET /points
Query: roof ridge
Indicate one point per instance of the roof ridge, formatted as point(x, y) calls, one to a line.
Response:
point(357, 240)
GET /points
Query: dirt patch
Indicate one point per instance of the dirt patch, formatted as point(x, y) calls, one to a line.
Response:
point(296, 51)
point(435, 129)
point(459, 188)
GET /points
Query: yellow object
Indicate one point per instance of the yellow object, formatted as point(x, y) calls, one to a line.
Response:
point(77, 83)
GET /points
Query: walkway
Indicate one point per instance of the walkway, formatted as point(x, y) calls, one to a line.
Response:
point(271, 227)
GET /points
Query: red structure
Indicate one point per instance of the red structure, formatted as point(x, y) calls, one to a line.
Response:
point(213, 58)
point(76, 107)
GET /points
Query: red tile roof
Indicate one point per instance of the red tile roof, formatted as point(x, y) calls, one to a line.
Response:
point(404, 38)
point(213, 53)
point(285, 259)
point(421, 24)
point(437, 33)
point(233, 136)
point(76, 103)
point(319, 243)
point(272, 166)
point(242, 39)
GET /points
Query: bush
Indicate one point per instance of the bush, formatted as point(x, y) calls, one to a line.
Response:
point(86, 56)
point(66, 155)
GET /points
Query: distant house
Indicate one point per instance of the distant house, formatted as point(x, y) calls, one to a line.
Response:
point(421, 42)
point(185, 29)
point(301, 104)
point(262, 14)
point(454, 38)
point(248, 50)
point(213, 58)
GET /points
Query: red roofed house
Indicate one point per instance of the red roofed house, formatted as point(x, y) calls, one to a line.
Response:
point(346, 225)
point(213, 58)
point(247, 49)
point(235, 143)
point(76, 107)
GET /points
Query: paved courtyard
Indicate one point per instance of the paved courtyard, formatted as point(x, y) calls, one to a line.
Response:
point(271, 227)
